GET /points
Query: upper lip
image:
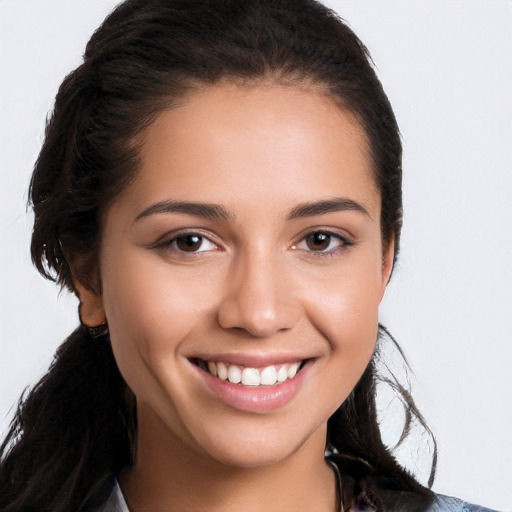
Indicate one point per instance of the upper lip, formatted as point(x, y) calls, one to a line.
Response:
point(252, 360)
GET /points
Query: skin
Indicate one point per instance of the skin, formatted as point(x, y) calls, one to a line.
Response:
point(256, 285)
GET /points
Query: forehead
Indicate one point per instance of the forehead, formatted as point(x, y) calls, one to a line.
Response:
point(270, 140)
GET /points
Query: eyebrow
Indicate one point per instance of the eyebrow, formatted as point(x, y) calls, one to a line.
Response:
point(217, 212)
point(203, 210)
point(337, 204)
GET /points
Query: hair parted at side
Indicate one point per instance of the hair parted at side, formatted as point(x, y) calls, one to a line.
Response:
point(145, 57)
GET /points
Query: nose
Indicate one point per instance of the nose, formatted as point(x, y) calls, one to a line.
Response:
point(258, 299)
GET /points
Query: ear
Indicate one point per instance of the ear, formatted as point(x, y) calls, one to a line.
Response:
point(91, 309)
point(387, 264)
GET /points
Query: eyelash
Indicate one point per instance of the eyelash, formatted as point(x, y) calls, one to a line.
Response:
point(171, 243)
point(343, 243)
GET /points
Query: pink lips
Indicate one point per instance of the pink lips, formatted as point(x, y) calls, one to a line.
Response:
point(254, 399)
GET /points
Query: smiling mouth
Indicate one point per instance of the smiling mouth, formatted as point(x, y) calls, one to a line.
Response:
point(247, 376)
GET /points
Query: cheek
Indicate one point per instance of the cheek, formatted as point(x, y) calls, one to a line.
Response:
point(345, 312)
point(346, 304)
point(349, 321)
point(143, 294)
point(151, 308)
point(347, 317)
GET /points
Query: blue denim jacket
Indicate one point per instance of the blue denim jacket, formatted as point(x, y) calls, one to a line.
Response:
point(448, 504)
point(117, 503)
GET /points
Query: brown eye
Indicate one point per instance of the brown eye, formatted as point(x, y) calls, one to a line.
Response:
point(323, 243)
point(318, 241)
point(189, 243)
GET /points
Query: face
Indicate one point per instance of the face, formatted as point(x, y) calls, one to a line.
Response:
point(247, 248)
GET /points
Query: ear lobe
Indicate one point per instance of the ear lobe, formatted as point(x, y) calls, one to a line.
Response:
point(91, 309)
point(387, 264)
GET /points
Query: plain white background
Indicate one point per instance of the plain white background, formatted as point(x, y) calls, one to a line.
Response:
point(447, 68)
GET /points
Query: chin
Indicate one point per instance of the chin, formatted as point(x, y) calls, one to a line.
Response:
point(250, 457)
point(252, 449)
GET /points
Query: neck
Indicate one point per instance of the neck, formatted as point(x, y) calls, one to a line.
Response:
point(169, 475)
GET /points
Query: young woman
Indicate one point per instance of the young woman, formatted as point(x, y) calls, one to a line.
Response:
point(220, 185)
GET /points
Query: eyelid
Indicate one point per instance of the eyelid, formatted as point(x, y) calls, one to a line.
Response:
point(165, 241)
point(345, 239)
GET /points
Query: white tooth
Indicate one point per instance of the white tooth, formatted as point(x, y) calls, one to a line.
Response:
point(250, 377)
point(234, 374)
point(268, 376)
point(282, 374)
point(292, 371)
point(222, 371)
point(212, 368)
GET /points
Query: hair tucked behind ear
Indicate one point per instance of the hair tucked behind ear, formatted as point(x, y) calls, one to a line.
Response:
point(74, 429)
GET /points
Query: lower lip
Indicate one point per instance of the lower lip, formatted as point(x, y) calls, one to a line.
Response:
point(257, 398)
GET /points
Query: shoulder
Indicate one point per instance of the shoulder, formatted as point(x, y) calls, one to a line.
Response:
point(441, 503)
point(408, 502)
point(448, 504)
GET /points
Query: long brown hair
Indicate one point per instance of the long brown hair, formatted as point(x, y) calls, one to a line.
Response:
point(77, 426)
